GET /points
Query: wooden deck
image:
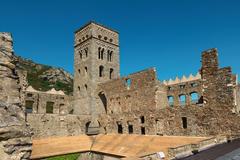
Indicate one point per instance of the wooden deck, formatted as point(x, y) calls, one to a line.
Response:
point(113, 144)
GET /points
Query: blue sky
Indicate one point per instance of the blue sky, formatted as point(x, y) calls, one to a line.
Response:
point(167, 34)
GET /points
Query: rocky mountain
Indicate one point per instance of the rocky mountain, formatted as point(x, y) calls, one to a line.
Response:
point(44, 77)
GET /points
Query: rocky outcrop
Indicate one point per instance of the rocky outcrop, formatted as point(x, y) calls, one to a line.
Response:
point(56, 74)
point(15, 135)
point(43, 78)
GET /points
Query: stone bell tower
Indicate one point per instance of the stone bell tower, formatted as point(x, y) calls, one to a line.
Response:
point(96, 60)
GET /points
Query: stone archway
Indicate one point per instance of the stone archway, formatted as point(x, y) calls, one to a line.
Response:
point(103, 103)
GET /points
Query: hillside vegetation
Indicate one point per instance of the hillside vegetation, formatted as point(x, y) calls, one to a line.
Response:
point(43, 77)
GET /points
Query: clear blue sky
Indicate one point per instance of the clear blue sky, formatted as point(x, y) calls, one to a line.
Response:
point(169, 35)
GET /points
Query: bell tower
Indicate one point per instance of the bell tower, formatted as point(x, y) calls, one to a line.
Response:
point(96, 60)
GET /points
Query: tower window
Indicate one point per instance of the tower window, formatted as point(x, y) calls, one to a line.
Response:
point(99, 36)
point(109, 56)
point(102, 54)
point(86, 86)
point(79, 88)
point(80, 55)
point(142, 118)
point(101, 71)
point(111, 40)
point(86, 52)
point(79, 71)
point(99, 52)
point(105, 38)
point(111, 73)
point(86, 69)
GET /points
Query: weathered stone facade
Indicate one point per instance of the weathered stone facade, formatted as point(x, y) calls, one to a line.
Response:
point(104, 102)
point(15, 135)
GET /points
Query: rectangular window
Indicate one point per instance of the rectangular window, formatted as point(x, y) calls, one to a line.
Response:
point(120, 129)
point(130, 129)
point(143, 131)
point(49, 107)
point(184, 122)
point(29, 106)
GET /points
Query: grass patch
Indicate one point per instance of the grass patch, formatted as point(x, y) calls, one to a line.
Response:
point(74, 156)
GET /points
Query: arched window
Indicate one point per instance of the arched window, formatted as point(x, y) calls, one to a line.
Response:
point(101, 71)
point(86, 70)
point(111, 73)
point(102, 53)
point(86, 52)
point(170, 101)
point(182, 99)
point(194, 97)
point(99, 52)
point(120, 128)
point(86, 87)
point(110, 56)
point(79, 89)
point(79, 71)
point(128, 83)
point(80, 55)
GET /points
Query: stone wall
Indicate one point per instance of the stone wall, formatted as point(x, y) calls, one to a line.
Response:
point(38, 101)
point(15, 135)
point(46, 125)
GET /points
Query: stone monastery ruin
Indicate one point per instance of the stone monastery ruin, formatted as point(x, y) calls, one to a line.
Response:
point(103, 102)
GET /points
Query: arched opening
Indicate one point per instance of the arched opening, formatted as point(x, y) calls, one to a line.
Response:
point(194, 97)
point(102, 53)
point(130, 128)
point(99, 52)
point(128, 83)
point(101, 71)
point(170, 101)
point(120, 128)
point(182, 99)
point(103, 100)
point(86, 52)
point(80, 55)
point(87, 127)
point(111, 73)
point(86, 70)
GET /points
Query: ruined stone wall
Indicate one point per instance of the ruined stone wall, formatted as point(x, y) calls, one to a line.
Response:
point(143, 116)
point(46, 125)
point(15, 135)
point(128, 94)
point(185, 89)
point(61, 103)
